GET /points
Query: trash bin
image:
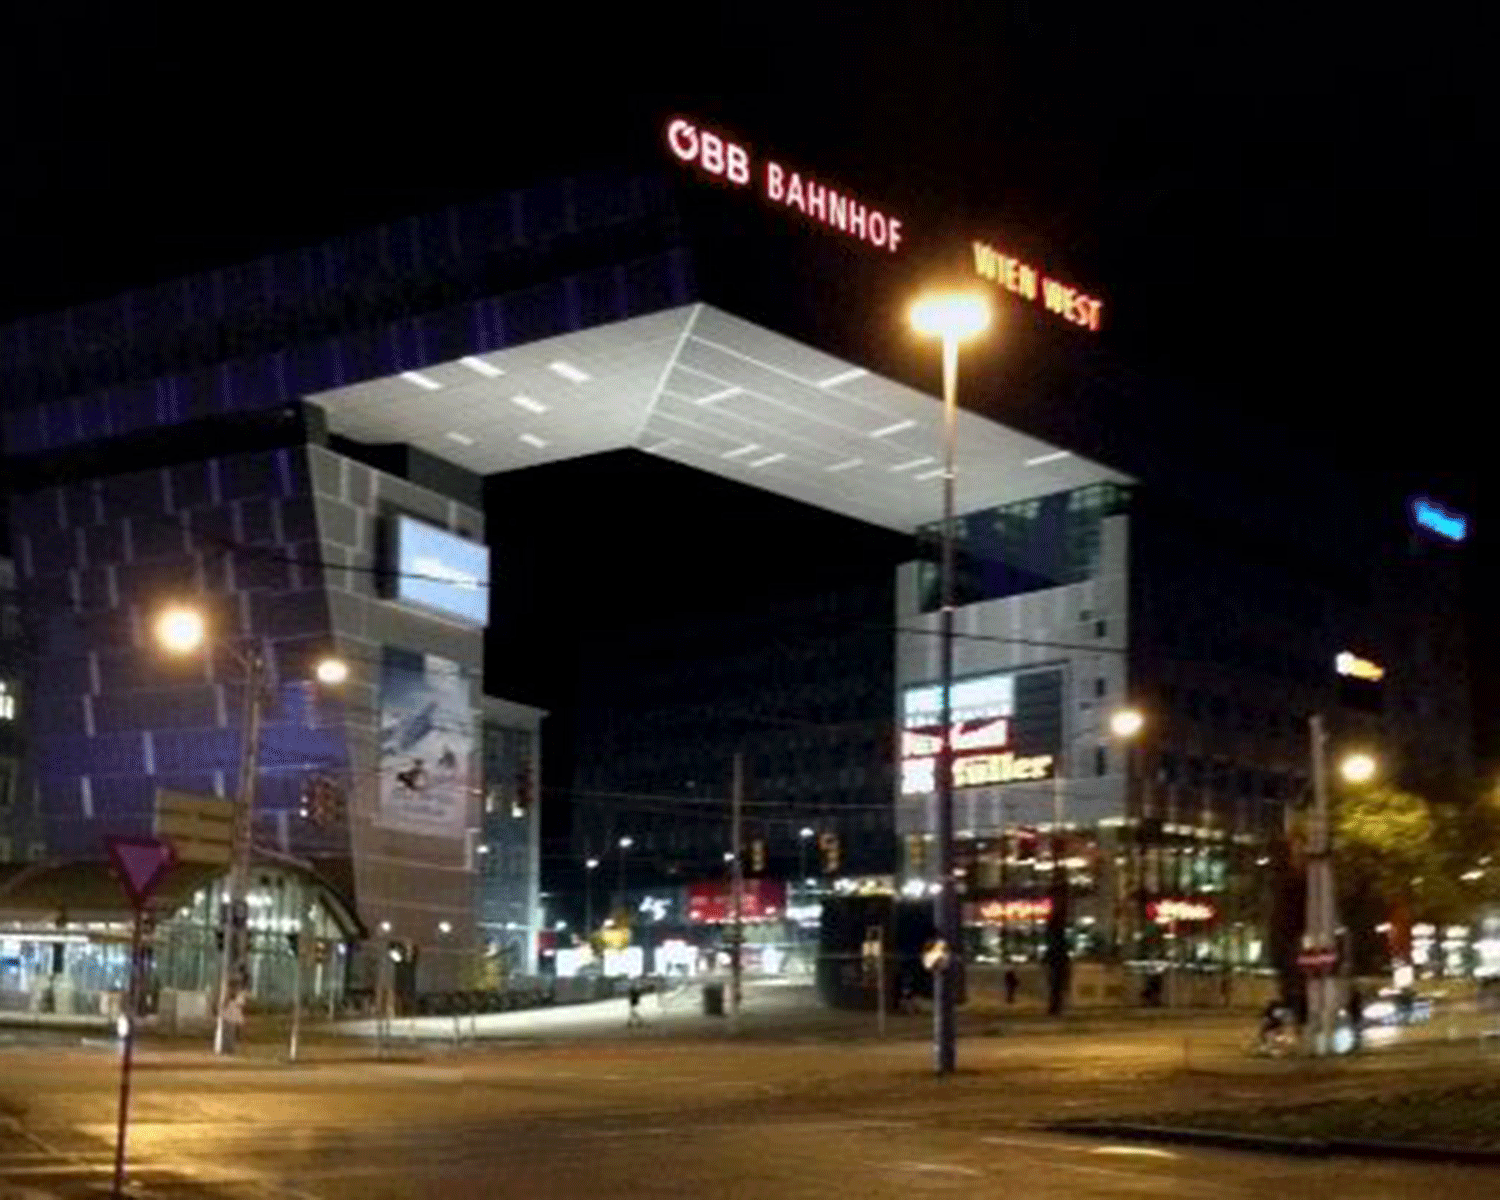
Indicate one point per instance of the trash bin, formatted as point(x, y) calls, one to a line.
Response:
point(713, 999)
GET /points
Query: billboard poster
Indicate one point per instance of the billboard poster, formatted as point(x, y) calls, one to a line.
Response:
point(1005, 728)
point(426, 743)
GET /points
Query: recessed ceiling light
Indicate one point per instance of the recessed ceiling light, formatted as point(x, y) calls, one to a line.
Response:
point(528, 404)
point(916, 462)
point(531, 439)
point(479, 366)
point(426, 383)
point(845, 465)
point(723, 395)
point(842, 377)
point(768, 460)
point(1046, 458)
point(462, 439)
point(896, 428)
point(742, 450)
point(570, 372)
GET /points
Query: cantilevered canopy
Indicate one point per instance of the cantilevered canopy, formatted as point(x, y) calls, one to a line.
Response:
point(709, 390)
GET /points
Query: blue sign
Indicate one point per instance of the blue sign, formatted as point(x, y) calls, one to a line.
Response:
point(1434, 517)
point(440, 571)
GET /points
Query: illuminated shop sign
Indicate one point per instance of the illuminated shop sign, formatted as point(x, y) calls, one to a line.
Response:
point(996, 912)
point(440, 571)
point(1026, 281)
point(1350, 664)
point(1168, 911)
point(988, 744)
point(725, 159)
point(1432, 516)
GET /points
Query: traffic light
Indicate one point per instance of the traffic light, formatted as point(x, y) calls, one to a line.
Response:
point(828, 843)
point(758, 855)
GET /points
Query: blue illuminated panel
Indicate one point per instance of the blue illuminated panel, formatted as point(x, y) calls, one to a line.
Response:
point(437, 570)
point(1434, 518)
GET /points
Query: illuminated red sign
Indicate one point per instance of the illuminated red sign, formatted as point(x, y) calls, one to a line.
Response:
point(725, 159)
point(713, 903)
point(1167, 912)
point(1024, 280)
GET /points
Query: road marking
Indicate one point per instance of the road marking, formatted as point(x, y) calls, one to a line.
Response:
point(1135, 1151)
point(930, 1168)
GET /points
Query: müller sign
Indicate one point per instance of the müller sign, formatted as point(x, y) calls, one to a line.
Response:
point(717, 155)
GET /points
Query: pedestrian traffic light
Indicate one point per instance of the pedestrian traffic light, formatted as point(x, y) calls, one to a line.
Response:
point(758, 855)
point(828, 843)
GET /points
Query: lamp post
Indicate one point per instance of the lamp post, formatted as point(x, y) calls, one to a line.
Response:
point(625, 843)
point(804, 836)
point(589, 866)
point(181, 630)
point(952, 318)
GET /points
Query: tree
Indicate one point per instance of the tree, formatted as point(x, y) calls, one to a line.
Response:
point(1387, 863)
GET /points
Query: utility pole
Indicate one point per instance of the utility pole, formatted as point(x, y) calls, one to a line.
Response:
point(736, 894)
point(233, 964)
point(1058, 916)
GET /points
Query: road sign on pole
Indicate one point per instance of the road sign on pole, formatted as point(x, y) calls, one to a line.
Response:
point(139, 864)
point(200, 827)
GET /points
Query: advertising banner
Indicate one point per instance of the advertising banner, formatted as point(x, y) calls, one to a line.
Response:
point(713, 904)
point(426, 743)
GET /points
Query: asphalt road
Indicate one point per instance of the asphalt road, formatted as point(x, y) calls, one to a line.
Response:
point(657, 1116)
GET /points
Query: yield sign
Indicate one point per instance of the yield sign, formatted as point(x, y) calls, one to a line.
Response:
point(140, 864)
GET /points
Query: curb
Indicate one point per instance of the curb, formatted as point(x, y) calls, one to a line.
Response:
point(1272, 1144)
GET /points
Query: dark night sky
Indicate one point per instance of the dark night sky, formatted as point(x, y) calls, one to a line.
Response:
point(1286, 213)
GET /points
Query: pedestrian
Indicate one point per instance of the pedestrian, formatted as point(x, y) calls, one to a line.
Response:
point(1356, 1010)
point(234, 1019)
point(1012, 982)
point(635, 1005)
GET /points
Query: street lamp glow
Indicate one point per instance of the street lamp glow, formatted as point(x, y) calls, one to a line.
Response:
point(591, 863)
point(180, 630)
point(807, 831)
point(626, 842)
point(952, 316)
point(332, 671)
point(445, 927)
point(1126, 723)
point(1357, 768)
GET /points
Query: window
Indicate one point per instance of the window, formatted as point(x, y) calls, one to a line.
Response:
point(1101, 628)
point(1101, 760)
point(7, 700)
point(1099, 687)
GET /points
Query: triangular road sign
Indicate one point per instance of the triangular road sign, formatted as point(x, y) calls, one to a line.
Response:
point(140, 864)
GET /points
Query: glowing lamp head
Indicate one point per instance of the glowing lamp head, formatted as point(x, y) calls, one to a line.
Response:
point(1126, 723)
point(626, 842)
point(952, 316)
point(332, 671)
point(807, 831)
point(1357, 768)
point(445, 927)
point(180, 630)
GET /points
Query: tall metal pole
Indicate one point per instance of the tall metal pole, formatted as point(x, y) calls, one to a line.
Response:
point(945, 977)
point(1318, 940)
point(1058, 918)
point(232, 962)
point(736, 893)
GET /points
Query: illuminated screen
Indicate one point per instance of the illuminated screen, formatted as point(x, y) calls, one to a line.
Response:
point(440, 571)
point(1005, 728)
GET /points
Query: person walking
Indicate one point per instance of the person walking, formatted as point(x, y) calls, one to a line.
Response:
point(1355, 1007)
point(1012, 982)
point(234, 1019)
point(635, 1005)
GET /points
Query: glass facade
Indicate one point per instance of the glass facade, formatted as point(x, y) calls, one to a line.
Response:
point(1026, 546)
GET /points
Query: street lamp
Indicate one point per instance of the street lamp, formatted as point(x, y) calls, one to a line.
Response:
point(182, 630)
point(625, 843)
point(804, 836)
point(1357, 767)
point(589, 866)
point(953, 318)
